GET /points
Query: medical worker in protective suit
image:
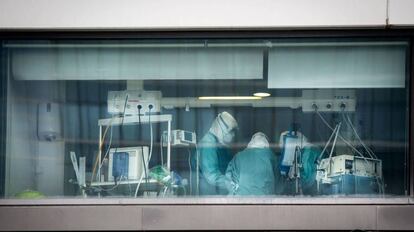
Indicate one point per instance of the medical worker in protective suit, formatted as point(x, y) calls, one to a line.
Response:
point(215, 154)
point(254, 171)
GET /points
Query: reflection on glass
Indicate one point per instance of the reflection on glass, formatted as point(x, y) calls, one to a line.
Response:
point(183, 118)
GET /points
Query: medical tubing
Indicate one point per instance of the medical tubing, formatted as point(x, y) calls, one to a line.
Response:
point(139, 183)
point(142, 154)
point(366, 161)
point(122, 123)
point(129, 186)
point(142, 148)
point(185, 190)
point(97, 154)
point(100, 147)
point(327, 143)
point(356, 150)
point(342, 138)
point(109, 146)
point(370, 153)
point(296, 171)
point(142, 151)
point(334, 142)
point(189, 166)
point(161, 150)
point(106, 130)
point(151, 141)
point(197, 170)
point(149, 158)
point(351, 125)
point(107, 190)
point(333, 147)
point(165, 191)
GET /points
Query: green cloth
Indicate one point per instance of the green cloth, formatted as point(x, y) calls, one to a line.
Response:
point(29, 194)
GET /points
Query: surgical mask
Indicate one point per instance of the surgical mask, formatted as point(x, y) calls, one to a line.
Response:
point(228, 137)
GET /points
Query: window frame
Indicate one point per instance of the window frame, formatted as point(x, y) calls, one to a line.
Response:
point(240, 34)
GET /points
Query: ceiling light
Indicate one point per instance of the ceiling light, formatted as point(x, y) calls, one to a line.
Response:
point(261, 94)
point(230, 98)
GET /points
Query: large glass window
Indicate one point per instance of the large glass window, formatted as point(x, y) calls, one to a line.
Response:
point(186, 118)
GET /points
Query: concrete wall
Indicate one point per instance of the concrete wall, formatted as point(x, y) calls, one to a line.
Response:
point(191, 14)
point(401, 13)
point(214, 14)
point(208, 217)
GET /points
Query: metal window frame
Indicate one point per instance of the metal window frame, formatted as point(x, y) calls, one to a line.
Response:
point(217, 213)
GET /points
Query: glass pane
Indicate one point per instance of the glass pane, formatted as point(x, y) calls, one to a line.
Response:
point(339, 65)
point(197, 118)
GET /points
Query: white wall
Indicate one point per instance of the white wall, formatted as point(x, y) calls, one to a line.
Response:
point(401, 12)
point(196, 14)
point(191, 14)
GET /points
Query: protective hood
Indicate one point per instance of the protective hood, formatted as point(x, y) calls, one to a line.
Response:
point(259, 140)
point(223, 127)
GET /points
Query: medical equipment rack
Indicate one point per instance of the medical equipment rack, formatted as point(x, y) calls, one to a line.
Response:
point(134, 120)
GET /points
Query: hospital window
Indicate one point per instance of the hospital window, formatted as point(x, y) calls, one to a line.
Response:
point(204, 117)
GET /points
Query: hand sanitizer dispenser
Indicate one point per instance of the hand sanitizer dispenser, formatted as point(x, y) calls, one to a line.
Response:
point(49, 128)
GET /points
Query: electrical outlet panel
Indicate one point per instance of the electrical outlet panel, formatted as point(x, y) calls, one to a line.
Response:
point(139, 101)
point(326, 100)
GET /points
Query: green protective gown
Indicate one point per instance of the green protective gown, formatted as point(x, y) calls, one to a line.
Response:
point(253, 171)
point(214, 159)
point(308, 170)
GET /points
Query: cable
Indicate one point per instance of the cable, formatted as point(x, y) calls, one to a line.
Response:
point(161, 149)
point(381, 188)
point(140, 135)
point(197, 170)
point(327, 143)
point(109, 147)
point(151, 139)
point(342, 138)
point(189, 166)
point(129, 186)
point(333, 146)
point(139, 183)
point(122, 123)
point(98, 153)
point(165, 191)
point(142, 151)
point(369, 151)
point(108, 190)
point(185, 190)
point(106, 130)
point(149, 158)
